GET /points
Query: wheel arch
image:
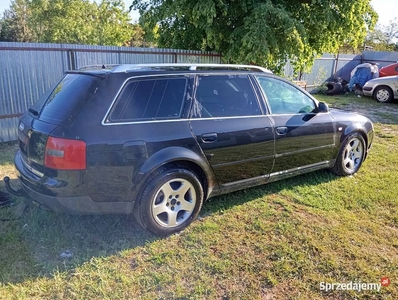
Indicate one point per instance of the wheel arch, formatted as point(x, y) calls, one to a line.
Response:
point(379, 86)
point(355, 128)
point(175, 157)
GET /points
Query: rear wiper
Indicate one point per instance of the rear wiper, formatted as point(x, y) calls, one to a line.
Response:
point(33, 111)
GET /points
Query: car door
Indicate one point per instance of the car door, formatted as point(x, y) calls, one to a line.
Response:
point(303, 137)
point(229, 125)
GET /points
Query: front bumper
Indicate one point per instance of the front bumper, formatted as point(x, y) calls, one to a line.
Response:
point(367, 91)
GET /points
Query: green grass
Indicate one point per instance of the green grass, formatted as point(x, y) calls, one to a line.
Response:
point(7, 151)
point(277, 241)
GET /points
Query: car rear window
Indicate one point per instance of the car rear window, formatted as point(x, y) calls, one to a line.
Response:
point(152, 99)
point(73, 89)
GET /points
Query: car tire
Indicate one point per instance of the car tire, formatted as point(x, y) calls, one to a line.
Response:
point(351, 155)
point(171, 200)
point(383, 94)
point(334, 88)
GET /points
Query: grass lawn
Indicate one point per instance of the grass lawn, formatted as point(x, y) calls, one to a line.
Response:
point(277, 241)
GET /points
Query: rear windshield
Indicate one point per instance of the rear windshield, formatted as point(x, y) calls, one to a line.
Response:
point(73, 89)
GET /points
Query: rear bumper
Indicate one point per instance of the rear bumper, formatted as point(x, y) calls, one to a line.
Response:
point(77, 205)
point(43, 191)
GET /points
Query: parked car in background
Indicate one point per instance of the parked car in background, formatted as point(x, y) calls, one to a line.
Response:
point(389, 70)
point(382, 89)
point(158, 140)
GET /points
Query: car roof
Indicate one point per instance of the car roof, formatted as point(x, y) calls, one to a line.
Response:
point(128, 68)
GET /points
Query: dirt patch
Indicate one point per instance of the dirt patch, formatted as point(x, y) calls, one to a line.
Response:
point(384, 113)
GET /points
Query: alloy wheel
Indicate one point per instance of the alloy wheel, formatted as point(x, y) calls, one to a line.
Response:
point(353, 154)
point(174, 202)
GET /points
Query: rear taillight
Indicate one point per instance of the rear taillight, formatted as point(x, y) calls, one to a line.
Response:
point(65, 154)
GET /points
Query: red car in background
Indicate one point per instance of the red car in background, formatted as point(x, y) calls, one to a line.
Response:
point(389, 70)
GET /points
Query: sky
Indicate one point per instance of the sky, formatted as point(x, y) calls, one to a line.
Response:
point(387, 9)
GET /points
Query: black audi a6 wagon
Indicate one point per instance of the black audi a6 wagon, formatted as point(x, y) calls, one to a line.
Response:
point(158, 140)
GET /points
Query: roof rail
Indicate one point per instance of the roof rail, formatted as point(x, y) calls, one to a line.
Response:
point(192, 67)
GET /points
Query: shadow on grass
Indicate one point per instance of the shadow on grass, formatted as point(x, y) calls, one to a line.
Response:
point(33, 245)
point(39, 242)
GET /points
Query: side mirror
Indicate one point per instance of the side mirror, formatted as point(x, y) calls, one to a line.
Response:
point(323, 107)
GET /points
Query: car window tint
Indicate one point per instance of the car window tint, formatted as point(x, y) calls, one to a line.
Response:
point(150, 100)
point(224, 96)
point(284, 98)
point(73, 88)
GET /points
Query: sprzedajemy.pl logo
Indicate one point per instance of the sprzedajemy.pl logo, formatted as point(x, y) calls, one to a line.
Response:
point(354, 286)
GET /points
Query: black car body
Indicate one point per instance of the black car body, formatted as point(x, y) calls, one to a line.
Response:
point(114, 140)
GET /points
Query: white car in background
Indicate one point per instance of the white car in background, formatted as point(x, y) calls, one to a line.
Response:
point(382, 89)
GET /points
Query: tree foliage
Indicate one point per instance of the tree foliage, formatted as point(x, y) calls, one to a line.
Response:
point(103, 22)
point(15, 23)
point(264, 32)
point(384, 38)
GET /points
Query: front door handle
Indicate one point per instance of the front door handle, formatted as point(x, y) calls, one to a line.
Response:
point(281, 130)
point(209, 137)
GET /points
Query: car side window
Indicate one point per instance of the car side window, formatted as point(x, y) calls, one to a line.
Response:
point(151, 99)
point(284, 98)
point(224, 96)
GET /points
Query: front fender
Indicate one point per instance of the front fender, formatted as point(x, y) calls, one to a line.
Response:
point(365, 128)
point(348, 122)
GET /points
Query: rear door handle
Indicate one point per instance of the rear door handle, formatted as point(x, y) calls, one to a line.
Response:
point(281, 130)
point(209, 137)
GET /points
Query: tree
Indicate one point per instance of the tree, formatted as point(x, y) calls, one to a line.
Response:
point(14, 24)
point(68, 21)
point(391, 32)
point(111, 24)
point(81, 21)
point(137, 40)
point(264, 32)
point(384, 38)
point(59, 21)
